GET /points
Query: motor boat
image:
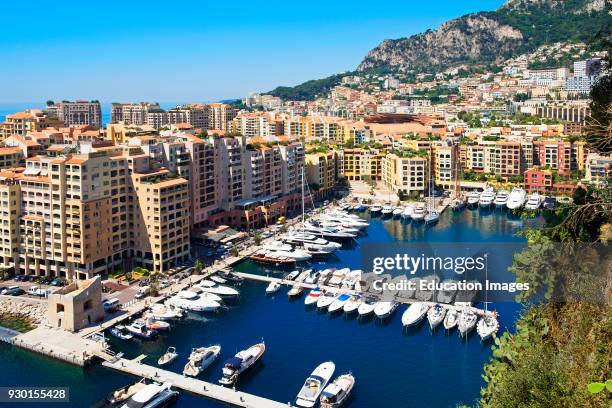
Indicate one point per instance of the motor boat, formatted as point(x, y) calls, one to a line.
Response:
point(230, 277)
point(375, 209)
point(384, 309)
point(432, 217)
point(486, 197)
point(330, 231)
point(458, 203)
point(336, 393)
point(352, 304)
point(451, 319)
point(216, 289)
point(164, 312)
point(217, 279)
point(344, 220)
point(312, 278)
point(169, 356)
point(473, 198)
point(418, 214)
point(272, 288)
point(313, 296)
point(516, 199)
point(414, 314)
point(121, 333)
point(277, 246)
point(157, 325)
point(501, 199)
point(534, 202)
point(200, 358)
point(326, 299)
point(242, 361)
point(139, 329)
point(339, 302)
point(435, 315)
point(549, 203)
point(122, 394)
point(314, 385)
point(310, 239)
point(397, 211)
point(367, 306)
point(264, 256)
point(387, 210)
point(407, 212)
point(194, 302)
point(295, 254)
point(296, 290)
point(152, 396)
point(467, 321)
point(487, 326)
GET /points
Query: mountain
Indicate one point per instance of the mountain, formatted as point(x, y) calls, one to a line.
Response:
point(491, 37)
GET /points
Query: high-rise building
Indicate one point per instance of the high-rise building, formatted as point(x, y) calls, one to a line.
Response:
point(132, 113)
point(406, 174)
point(77, 113)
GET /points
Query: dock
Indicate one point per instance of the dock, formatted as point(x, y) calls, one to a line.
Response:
point(193, 385)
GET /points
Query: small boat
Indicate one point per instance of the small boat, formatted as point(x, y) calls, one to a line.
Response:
point(314, 385)
point(230, 277)
point(487, 326)
point(435, 315)
point(326, 299)
point(272, 288)
point(313, 296)
point(467, 321)
point(120, 333)
point(375, 208)
point(418, 214)
point(336, 393)
point(153, 324)
point(152, 396)
point(169, 356)
point(382, 310)
point(352, 304)
point(414, 314)
point(200, 358)
point(312, 278)
point(534, 202)
point(432, 217)
point(296, 290)
point(139, 329)
point(241, 362)
point(292, 275)
point(215, 288)
point(367, 306)
point(339, 302)
point(217, 279)
point(451, 319)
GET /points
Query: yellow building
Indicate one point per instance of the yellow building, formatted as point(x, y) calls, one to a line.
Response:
point(361, 164)
point(321, 171)
point(407, 174)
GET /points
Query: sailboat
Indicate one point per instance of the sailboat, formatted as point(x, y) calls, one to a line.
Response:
point(435, 315)
point(432, 215)
point(459, 201)
point(488, 325)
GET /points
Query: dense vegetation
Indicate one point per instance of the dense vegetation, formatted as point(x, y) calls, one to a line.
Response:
point(308, 90)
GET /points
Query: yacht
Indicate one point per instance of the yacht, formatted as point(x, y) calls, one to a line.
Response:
point(473, 198)
point(152, 396)
point(169, 356)
point(314, 385)
point(116, 397)
point(194, 302)
point(272, 288)
point(534, 202)
point(268, 257)
point(387, 210)
point(435, 315)
point(375, 209)
point(407, 213)
point(313, 296)
point(487, 326)
point(231, 277)
point(419, 212)
point(516, 199)
point(330, 231)
point(339, 302)
point(352, 304)
point(383, 310)
point(486, 197)
point(296, 290)
point(314, 276)
point(295, 254)
point(216, 289)
point(336, 393)
point(159, 311)
point(156, 325)
point(217, 279)
point(139, 329)
point(200, 359)
point(432, 217)
point(326, 299)
point(277, 246)
point(310, 239)
point(414, 314)
point(501, 199)
point(292, 275)
point(367, 306)
point(241, 362)
point(120, 332)
point(458, 203)
point(451, 319)
point(467, 321)
point(397, 211)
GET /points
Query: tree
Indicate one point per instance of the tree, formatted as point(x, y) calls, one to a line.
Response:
point(197, 267)
point(257, 239)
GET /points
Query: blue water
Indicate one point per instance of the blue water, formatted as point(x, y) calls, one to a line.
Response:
point(393, 368)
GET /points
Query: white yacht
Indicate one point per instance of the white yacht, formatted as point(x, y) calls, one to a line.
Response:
point(272, 288)
point(419, 212)
point(486, 197)
point(435, 315)
point(241, 362)
point(432, 217)
point(152, 396)
point(326, 299)
point(367, 306)
point(352, 305)
point(169, 356)
point(194, 302)
point(487, 326)
point(159, 311)
point(451, 319)
point(296, 254)
point(458, 202)
point(214, 288)
point(516, 199)
point(217, 279)
point(467, 321)
point(314, 385)
point(296, 290)
point(387, 210)
point(139, 329)
point(414, 314)
point(276, 246)
point(310, 239)
point(336, 393)
point(330, 231)
point(313, 296)
point(534, 202)
point(339, 302)
point(397, 211)
point(383, 310)
point(501, 199)
point(375, 208)
point(473, 198)
point(200, 358)
point(407, 213)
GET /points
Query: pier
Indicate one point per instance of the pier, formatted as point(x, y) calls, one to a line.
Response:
point(193, 385)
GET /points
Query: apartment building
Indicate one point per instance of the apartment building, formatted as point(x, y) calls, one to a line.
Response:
point(132, 113)
point(538, 180)
point(407, 173)
point(120, 133)
point(443, 165)
point(503, 159)
point(220, 116)
point(11, 157)
point(361, 164)
point(562, 156)
point(598, 169)
point(321, 172)
point(22, 123)
point(77, 113)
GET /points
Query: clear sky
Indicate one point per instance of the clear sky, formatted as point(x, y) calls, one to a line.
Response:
point(190, 51)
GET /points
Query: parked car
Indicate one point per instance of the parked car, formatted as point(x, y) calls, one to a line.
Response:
point(20, 278)
point(142, 292)
point(163, 283)
point(15, 291)
point(110, 305)
point(59, 282)
point(2, 289)
point(37, 291)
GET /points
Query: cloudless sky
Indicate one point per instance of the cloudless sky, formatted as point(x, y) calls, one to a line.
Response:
point(195, 50)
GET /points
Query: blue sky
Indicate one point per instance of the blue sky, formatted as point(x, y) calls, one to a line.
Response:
point(189, 51)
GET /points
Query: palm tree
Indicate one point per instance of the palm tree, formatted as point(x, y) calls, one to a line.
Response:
point(197, 267)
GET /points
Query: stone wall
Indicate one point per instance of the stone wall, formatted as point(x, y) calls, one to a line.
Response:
point(35, 309)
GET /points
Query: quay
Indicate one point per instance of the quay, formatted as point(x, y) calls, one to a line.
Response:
point(192, 385)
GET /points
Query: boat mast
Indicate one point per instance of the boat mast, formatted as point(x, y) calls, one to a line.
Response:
point(303, 200)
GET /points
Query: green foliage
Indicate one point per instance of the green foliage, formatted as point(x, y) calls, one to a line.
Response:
point(197, 267)
point(308, 90)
